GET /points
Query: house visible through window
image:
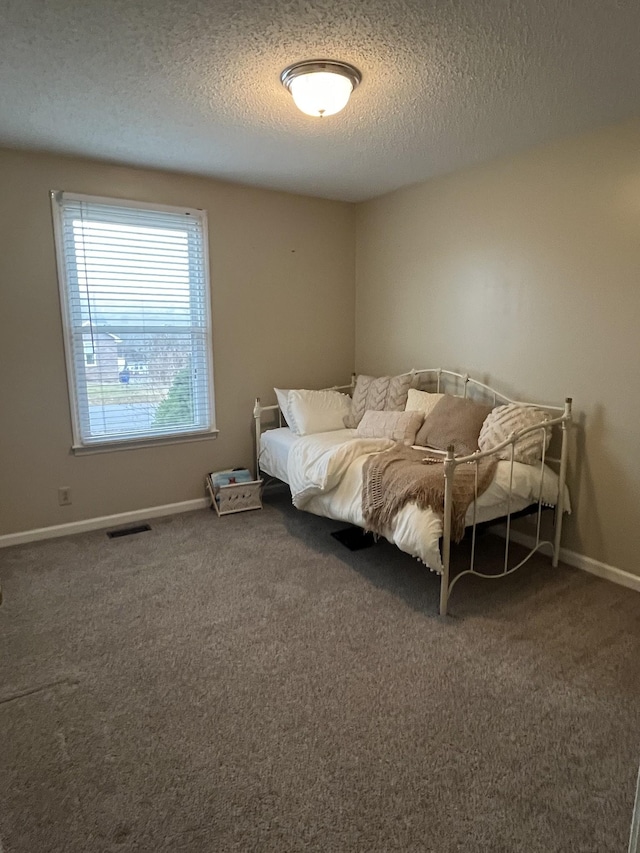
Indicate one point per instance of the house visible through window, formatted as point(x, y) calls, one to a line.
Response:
point(135, 302)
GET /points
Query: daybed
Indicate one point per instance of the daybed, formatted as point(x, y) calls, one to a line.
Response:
point(417, 459)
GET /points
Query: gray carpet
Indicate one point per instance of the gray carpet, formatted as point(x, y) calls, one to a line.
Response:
point(248, 684)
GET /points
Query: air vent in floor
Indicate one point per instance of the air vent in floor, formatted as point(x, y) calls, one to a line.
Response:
point(127, 531)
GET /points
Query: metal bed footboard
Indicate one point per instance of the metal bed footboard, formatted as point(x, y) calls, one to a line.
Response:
point(439, 380)
point(451, 462)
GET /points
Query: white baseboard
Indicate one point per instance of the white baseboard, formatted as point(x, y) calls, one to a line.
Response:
point(578, 561)
point(101, 522)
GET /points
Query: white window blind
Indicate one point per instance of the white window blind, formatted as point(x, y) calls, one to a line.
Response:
point(135, 301)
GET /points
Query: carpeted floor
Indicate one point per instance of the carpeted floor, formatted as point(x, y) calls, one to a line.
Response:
point(248, 684)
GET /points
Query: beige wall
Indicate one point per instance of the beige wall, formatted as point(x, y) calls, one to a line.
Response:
point(282, 276)
point(526, 273)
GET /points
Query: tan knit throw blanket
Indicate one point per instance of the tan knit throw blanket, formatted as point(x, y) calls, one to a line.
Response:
point(394, 477)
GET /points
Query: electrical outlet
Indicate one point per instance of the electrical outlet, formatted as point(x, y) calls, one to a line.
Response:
point(64, 495)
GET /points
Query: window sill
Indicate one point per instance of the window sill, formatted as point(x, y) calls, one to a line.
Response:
point(135, 444)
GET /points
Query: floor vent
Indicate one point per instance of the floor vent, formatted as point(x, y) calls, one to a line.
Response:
point(128, 531)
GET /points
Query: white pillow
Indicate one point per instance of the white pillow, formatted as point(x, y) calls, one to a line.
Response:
point(283, 401)
point(422, 401)
point(504, 420)
point(316, 411)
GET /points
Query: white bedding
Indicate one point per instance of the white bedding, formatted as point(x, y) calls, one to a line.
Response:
point(324, 472)
point(275, 445)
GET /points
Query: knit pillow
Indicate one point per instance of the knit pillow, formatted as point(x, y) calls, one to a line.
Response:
point(398, 426)
point(505, 420)
point(456, 421)
point(386, 393)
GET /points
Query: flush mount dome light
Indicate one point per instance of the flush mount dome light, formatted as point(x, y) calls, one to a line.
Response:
point(321, 87)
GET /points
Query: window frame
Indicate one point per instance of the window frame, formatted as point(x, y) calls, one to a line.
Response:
point(110, 444)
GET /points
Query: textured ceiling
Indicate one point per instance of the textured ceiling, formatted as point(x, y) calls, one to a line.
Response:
point(193, 85)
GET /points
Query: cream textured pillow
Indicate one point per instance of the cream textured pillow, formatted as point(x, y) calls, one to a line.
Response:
point(504, 420)
point(386, 393)
point(456, 421)
point(399, 426)
point(422, 401)
point(317, 411)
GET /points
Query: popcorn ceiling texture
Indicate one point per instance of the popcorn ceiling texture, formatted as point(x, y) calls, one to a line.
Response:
point(193, 85)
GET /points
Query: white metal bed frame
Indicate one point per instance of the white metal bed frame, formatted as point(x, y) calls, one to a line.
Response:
point(561, 418)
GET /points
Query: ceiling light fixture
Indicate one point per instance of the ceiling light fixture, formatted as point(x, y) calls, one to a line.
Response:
point(320, 87)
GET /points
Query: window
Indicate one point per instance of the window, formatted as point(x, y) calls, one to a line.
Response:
point(134, 292)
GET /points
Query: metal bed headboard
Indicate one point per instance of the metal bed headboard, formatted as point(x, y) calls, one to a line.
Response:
point(443, 377)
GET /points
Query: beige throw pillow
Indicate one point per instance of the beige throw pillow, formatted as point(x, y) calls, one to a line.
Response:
point(399, 426)
point(386, 393)
point(456, 421)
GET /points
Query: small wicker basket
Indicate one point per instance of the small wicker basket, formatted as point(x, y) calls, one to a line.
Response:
point(235, 497)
